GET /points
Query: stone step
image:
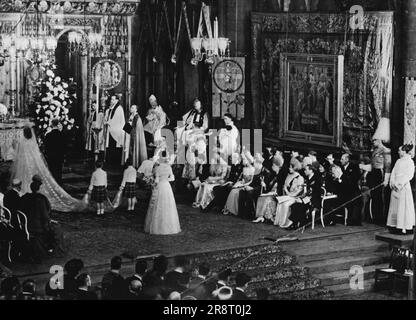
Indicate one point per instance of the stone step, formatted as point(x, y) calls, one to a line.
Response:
point(288, 285)
point(319, 293)
point(343, 290)
point(345, 263)
point(341, 277)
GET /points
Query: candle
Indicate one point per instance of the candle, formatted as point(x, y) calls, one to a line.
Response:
point(216, 28)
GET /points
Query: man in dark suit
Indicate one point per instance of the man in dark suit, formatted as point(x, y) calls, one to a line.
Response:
point(241, 283)
point(83, 292)
point(113, 283)
point(310, 201)
point(55, 151)
point(12, 201)
point(177, 279)
point(200, 286)
point(140, 270)
point(350, 179)
point(346, 190)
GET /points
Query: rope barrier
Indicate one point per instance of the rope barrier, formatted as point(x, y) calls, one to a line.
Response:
point(284, 238)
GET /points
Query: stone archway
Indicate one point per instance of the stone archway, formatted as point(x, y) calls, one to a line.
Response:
point(74, 64)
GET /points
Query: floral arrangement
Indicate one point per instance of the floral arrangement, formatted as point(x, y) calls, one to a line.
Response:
point(3, 111)
point(54, 101)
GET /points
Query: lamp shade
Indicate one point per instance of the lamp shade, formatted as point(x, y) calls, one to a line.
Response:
point(383, 130)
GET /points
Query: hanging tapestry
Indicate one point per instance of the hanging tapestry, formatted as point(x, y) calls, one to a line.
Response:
point(368, 66)
point(410, 111)
point(228, 88)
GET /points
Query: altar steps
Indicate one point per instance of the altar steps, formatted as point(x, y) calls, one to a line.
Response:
point(331, 259)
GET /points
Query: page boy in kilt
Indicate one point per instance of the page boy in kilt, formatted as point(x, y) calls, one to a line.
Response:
point(128, 185)
point(98, 187)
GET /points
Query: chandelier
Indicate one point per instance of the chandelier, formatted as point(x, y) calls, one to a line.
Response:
point(211, 46)
point(81, 41)
point(32, 38)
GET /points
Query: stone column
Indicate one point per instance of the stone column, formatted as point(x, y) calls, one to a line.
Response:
point(85, 91)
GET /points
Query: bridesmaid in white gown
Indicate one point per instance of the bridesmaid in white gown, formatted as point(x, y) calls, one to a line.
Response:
point(162, 215)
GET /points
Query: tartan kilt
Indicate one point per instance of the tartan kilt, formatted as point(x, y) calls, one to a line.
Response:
point(130, 190)
point(99, 194)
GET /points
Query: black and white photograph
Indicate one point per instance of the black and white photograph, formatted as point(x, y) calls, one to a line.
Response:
point(220, 151)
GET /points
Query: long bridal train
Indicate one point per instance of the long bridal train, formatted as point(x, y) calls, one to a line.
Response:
point(28, 162)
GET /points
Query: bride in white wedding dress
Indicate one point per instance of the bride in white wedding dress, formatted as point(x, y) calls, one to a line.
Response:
point(28, 162)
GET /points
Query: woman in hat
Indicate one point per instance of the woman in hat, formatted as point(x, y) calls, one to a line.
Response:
point(218, 172)
point(246, 178)
point(293, 188)
point(267, 203)
point(162, 214)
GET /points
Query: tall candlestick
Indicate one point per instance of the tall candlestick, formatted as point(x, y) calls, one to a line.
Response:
point(98, 95)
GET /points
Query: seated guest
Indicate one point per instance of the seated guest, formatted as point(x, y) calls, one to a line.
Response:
point(246, 178)
point(10, 288)
point(67, 290)
point(84, 286)
point(28, 290)
point(234, 172)
point(175, 279)
point(241, 283)
point(223, 278)
point(134, 290)
point(112, 284)
point(248, 196)
point(12, 201)
point(292, 190)
point(313, 155)
point(346, 190)
point(223, 294)
point(267, 204)
point(200, 287)
point(311, 200)
point(140, 271)
point(268, 157)
point(38, 209)
point(307, 161)
point(153, 280)
point(329, 162)
point(218, 172)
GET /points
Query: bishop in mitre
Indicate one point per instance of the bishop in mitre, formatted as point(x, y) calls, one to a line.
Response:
point(156, 120)
point(135, 147)
point(114, 123)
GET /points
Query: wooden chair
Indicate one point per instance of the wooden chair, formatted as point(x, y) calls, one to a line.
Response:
point(22, 218)
point(6, 219)
point(325, 197)
point(399, 261)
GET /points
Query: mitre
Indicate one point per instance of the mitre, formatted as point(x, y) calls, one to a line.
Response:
point(152, 98)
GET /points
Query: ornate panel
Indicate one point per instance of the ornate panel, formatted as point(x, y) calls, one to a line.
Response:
point(368, 66)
